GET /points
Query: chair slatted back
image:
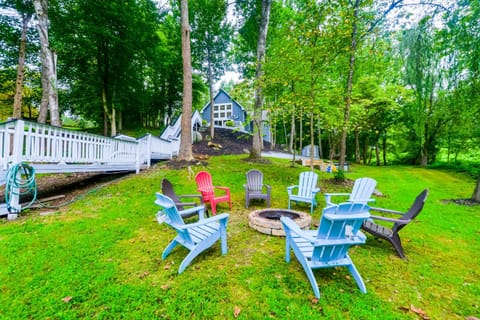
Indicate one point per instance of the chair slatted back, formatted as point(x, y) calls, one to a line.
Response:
point(205, 184)
point(339, 222)
point(363, 189)
point(308, 182)
point(254, 180)
point(414, 210)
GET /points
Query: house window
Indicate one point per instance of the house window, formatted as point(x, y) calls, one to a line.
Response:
point(222, 113)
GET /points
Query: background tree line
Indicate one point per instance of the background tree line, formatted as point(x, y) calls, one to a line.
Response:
point(367, 81)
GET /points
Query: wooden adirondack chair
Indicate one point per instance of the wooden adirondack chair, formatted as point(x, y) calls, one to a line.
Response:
point(328, 246)
point(254, 188)
point(167, 189)
point(207, 189)
point(391, 234)
point(362, 192)
point(196, 237)
point(307, 190)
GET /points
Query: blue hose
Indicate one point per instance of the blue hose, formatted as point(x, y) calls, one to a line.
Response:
point(20, 181)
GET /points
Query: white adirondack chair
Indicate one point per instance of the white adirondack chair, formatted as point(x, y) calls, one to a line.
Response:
point(306, 190)
point(361, 193)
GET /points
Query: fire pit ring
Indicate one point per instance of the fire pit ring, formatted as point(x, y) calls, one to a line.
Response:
point(267, 221)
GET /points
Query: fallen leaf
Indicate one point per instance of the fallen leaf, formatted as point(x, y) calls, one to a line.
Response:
point(67, 299)
point(166, 267)
point(236, 311)
point(419, 311)
point(472, 318)
point(314, 300)
point(165, 287)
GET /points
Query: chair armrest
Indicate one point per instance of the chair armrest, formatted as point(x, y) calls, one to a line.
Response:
point(199, 209)
point(354, 216)
point(386, 210)
point(390, 219)
point(186, 204)
point(336, 194)
point(218, 217)
point(226, 189)
point(293, 227)
point(315, 191)
point(290, 189)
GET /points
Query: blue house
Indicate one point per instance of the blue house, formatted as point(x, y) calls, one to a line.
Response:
point(225, 109)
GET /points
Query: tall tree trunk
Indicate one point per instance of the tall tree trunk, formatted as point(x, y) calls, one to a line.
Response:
point(384, 148)
point(105, 121)
point(113, 122)
point(348, 93)
point(106, 114)
point(357, 146)
point(185, 152)
point(120, 121)
point(312, 141)
point(476, 192)
point(256, 150)
point(292, 133)
point(320, 149)
point(300, 135)
point(210, 88)
point(365, 150)
point(48, 58)
point(17, 102)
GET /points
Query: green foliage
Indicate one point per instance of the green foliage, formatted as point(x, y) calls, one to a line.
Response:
point(339, 175)
point(101, 256)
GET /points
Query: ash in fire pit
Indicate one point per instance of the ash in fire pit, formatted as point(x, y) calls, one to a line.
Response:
point(275, 214)
point(268, 220)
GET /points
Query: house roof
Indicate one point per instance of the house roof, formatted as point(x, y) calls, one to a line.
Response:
point(218, 93)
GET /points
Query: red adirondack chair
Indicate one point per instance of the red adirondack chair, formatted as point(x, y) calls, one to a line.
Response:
point(207, 189)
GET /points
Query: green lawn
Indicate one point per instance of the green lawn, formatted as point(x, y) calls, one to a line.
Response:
point(101, 256)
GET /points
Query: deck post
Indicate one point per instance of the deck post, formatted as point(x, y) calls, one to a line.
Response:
point(17, 151)
point(137, 171)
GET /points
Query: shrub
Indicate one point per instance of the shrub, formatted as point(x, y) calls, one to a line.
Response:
point(339, 176)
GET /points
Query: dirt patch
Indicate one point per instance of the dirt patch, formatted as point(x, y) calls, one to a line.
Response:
point(230, 142)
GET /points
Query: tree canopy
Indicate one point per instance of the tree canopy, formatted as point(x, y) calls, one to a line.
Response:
point(368, 81)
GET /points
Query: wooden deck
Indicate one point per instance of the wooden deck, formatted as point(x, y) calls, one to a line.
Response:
point(50, 150)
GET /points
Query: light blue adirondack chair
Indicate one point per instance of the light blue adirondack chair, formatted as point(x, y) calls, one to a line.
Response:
point(307, 190)
point(328, 246)
point(196, 237)
point(361, 193)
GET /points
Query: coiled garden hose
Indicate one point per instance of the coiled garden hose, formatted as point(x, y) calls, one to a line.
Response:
point(20, 181)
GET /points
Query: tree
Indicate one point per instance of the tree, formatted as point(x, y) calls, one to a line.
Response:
point(185, 152)
point(211, 33)
point(256, 150)
point(115, 55)
point(26, 11)
point(49, 61)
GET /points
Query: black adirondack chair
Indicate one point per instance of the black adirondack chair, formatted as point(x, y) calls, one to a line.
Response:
point(391, 234)
point(167, 189)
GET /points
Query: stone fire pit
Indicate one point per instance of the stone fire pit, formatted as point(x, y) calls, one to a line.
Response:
point(268, 220)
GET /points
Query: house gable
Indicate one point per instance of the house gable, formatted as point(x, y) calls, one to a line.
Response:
point(225, 109)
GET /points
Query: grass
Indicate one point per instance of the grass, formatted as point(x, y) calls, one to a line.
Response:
point(101, 256)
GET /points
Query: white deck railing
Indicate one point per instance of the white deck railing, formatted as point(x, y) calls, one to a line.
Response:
point(43, 145)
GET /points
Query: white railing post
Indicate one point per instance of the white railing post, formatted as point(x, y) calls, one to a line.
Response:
point(17, 152)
